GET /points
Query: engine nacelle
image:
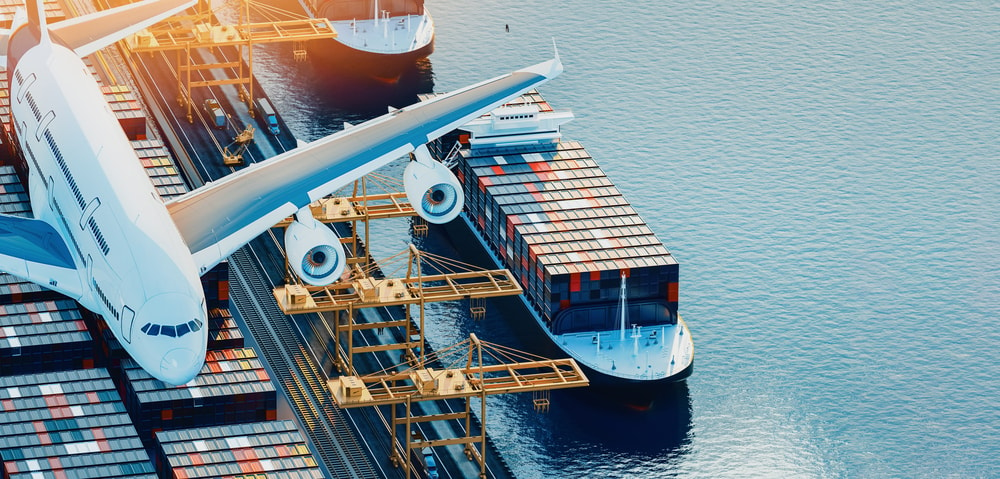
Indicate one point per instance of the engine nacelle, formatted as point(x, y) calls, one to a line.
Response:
point(314, 251)
point(432, 189)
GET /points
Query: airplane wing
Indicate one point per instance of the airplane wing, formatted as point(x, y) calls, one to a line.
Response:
point(32, 249)
point(219, 218)
point(88, 33)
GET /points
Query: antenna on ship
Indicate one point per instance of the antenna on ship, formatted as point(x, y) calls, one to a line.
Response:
point(622, 306)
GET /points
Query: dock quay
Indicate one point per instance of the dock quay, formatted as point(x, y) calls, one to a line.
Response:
point(281, 363)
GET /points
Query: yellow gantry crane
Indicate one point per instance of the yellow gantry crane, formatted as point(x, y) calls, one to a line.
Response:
point(374, 196)
point(464, 375)
point(183, 33)
point(450, 281)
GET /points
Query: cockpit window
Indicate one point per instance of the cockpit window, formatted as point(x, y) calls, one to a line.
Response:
point(173, 331)
point(183, 329)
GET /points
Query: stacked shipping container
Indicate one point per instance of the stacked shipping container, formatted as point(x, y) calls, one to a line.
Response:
point(53, 11)
point(223, 332)
point(215, 283)
point(67, 424)
point(43, 336)
point(14, 290)
point(126, 108)
point(13, 198)
point(232, 387)
point(159, 165)
point(267, 449)
point(552, 216)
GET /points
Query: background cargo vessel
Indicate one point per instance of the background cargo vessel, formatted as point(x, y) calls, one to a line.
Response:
point(597, 281)
point(380, 38)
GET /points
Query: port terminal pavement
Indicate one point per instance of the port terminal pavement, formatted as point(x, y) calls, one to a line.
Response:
point(260, 266)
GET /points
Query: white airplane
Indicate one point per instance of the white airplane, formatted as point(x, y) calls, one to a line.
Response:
point(102, 236)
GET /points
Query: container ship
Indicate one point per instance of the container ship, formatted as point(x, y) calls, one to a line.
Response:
point(596, 279)
point(379, 38)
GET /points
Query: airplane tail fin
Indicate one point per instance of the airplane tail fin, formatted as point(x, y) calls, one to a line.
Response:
point(36, 17)
point(88, 33)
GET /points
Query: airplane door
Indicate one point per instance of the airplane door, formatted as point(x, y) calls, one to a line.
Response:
point(128, 317)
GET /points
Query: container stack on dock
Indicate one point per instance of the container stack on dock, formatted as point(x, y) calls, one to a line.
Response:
point(264, 449)
point(126, 108)
point(68, 424)
point(215, 283)
point(550, 213)
point(160, 167)
point(223, 332)
point(13, 198)
point(43, 336)
point(232, 387)
point(14, 290)
point(53, 11)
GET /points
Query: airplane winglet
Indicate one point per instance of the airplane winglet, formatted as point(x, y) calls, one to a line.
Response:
point(549, 69)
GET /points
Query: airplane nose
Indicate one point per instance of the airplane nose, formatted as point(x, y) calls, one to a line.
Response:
point(179, 366)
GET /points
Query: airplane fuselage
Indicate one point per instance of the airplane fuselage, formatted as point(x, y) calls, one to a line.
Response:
point(86, 181)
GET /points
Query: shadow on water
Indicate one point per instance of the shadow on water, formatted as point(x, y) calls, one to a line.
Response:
point(361, 96)
point(660, 425)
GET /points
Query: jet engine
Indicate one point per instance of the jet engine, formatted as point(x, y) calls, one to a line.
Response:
point(314, 250)
point(431, 188)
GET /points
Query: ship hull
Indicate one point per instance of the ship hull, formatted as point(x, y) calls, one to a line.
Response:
point(333, 56)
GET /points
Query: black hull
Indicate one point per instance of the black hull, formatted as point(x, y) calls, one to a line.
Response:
point(336, 57)
point(602, 380)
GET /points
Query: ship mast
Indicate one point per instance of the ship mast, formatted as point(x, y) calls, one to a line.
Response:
point(622, 306)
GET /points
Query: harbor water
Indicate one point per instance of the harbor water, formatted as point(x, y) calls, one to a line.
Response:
point(827, 174)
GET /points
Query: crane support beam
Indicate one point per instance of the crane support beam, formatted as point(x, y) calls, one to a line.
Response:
point(359, 208)
point(430, 384)
point(429, 418)
point(386, 347)
point(205, 35)
point(371, 292)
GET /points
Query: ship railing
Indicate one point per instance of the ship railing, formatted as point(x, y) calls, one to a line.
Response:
point(451, 159)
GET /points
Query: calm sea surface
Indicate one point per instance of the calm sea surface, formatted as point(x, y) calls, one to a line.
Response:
point(828, 175)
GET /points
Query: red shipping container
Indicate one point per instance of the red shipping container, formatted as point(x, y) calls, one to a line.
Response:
point(672, 292)
point(574, 282)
